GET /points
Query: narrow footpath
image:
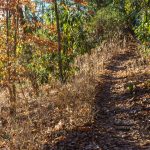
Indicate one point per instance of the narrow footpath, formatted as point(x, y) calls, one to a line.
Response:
point(122, 119)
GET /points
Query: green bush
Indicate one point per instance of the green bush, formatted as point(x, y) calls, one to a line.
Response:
point(107, 22)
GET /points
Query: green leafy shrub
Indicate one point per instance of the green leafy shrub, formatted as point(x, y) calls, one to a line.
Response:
point(107, 21)
point(143, 31)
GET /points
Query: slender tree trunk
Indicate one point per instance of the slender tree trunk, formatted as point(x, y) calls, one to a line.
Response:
point(11, 85)
point(59, 43)
point(16, 28)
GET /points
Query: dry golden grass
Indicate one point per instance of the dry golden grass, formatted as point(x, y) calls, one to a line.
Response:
point(59, 107)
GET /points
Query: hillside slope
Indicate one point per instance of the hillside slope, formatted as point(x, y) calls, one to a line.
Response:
point(122, 120)
point(105, 107)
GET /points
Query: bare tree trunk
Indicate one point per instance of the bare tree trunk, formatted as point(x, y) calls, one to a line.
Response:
point(59, 42)
point(11, 85)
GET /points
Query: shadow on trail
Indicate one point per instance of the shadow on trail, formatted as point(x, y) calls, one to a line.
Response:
point(120, 122)
point(115, 127)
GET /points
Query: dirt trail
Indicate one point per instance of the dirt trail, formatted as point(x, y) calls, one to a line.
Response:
point(122, 121)
point(123, 116)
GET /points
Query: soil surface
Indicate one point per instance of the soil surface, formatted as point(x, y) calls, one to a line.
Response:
point(122, 118)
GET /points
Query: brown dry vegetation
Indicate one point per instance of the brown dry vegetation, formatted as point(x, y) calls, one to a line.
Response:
point(60, 110)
